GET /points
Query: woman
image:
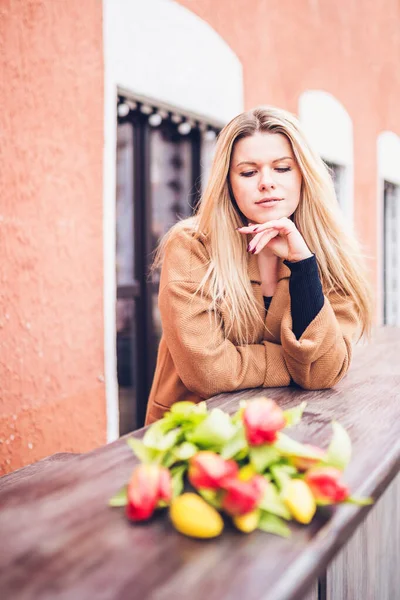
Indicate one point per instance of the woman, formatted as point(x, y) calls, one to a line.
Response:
point(263, 287)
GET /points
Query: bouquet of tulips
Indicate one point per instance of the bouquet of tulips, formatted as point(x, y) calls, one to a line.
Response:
point(241, 467)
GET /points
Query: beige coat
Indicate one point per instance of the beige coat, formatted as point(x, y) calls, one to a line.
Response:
point(195, 361)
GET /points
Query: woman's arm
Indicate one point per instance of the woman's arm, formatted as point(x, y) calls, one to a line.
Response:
point(322, 355)
point(205, 360)
point(306, 295)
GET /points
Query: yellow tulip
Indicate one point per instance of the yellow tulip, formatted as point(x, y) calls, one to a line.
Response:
point(246, 472)
point(248, 522)
point(299, 500)
point(194, 517)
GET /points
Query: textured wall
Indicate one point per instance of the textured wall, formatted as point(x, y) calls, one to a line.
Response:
point(351, 50)
point(51, 282)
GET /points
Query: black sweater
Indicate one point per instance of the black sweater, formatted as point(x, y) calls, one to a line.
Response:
point(306, 296)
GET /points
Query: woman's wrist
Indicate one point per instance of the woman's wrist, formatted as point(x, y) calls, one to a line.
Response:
point(303, 263)
point(299, 257)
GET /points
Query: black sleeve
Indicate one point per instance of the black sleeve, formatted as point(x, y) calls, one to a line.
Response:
point(306, 295)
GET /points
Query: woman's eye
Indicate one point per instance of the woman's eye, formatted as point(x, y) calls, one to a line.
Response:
point(283, 169)
point(247, 174)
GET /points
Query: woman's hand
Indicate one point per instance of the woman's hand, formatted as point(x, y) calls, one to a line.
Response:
point(281, 236)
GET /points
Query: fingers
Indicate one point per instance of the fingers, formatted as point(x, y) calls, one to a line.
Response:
point(255, 240)
point(283, 225)
point(261, 240)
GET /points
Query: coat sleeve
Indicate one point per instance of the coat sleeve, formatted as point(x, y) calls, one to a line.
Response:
point(205, 360)
point(322, 355)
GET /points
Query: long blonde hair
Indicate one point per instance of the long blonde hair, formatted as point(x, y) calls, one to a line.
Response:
point(317, 217)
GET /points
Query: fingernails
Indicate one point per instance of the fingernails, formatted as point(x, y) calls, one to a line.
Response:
point(256, 229)
point(254, 249)
point(248, 248)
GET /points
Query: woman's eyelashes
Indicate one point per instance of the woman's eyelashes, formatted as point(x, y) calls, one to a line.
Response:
point(278, 170)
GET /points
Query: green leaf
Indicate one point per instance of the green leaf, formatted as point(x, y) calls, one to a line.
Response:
point(359, 501)
point(157, 438)
point(185, 451)
point(201, 408)
point(182, 409)
point(273, 503)
point(214, 431)
point(120, 498)
point(237, 417)
point(339, 451)
point(282, 474)
point(144, 454)
point(177, 477)
point(273, 524)
point(293, 415)
point(166, 458)
point(210, 496)
point(187, 413)
point(289, 447)
point(235, 445)
point(263, 456)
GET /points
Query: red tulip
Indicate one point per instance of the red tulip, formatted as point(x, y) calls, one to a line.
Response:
point(302, 463)
point(148, 485)
point(326, 486)
point(209, 470)
point(242, 497)
point(262, 420)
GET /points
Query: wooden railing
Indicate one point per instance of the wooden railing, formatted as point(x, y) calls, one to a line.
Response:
point(60, 540)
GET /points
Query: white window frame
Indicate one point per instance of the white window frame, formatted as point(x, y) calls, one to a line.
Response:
point(329, 128)
point(388, 153)
point(160, 50)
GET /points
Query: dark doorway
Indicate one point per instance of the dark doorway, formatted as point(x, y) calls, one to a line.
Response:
point(163, 158)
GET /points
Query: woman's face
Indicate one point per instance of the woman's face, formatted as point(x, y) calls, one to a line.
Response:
point(265, 178)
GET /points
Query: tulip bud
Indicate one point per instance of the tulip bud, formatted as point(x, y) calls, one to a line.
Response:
point(209, 470)
point(299, 500)
point(148, 485)
point(262, 420)
point(302, 463)
point(242, 497)
point(326, 486)
point(248, 522)
point(247, 472)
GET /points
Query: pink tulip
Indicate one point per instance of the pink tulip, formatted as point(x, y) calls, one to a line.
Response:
point(262, 420)
point(209, 470)
point(242, 497)
point(148, 485)
point(326, 486)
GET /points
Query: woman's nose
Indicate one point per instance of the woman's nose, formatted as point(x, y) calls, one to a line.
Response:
point(266, 179)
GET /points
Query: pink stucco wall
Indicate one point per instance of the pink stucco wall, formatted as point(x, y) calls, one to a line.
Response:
point(51, 271)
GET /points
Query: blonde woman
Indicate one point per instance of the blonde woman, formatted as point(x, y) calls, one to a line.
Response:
point(263, 287)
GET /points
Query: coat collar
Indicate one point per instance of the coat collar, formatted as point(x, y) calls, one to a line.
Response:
point(254, 271)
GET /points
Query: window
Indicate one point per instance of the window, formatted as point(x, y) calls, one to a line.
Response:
point(391, 271)
point(329, 128)
point(338, 174)
point(163, 161)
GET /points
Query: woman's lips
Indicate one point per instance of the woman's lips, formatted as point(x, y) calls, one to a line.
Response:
point(268, 202)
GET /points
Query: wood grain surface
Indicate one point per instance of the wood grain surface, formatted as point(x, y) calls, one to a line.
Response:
point(60, 540)
point(368, 566)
